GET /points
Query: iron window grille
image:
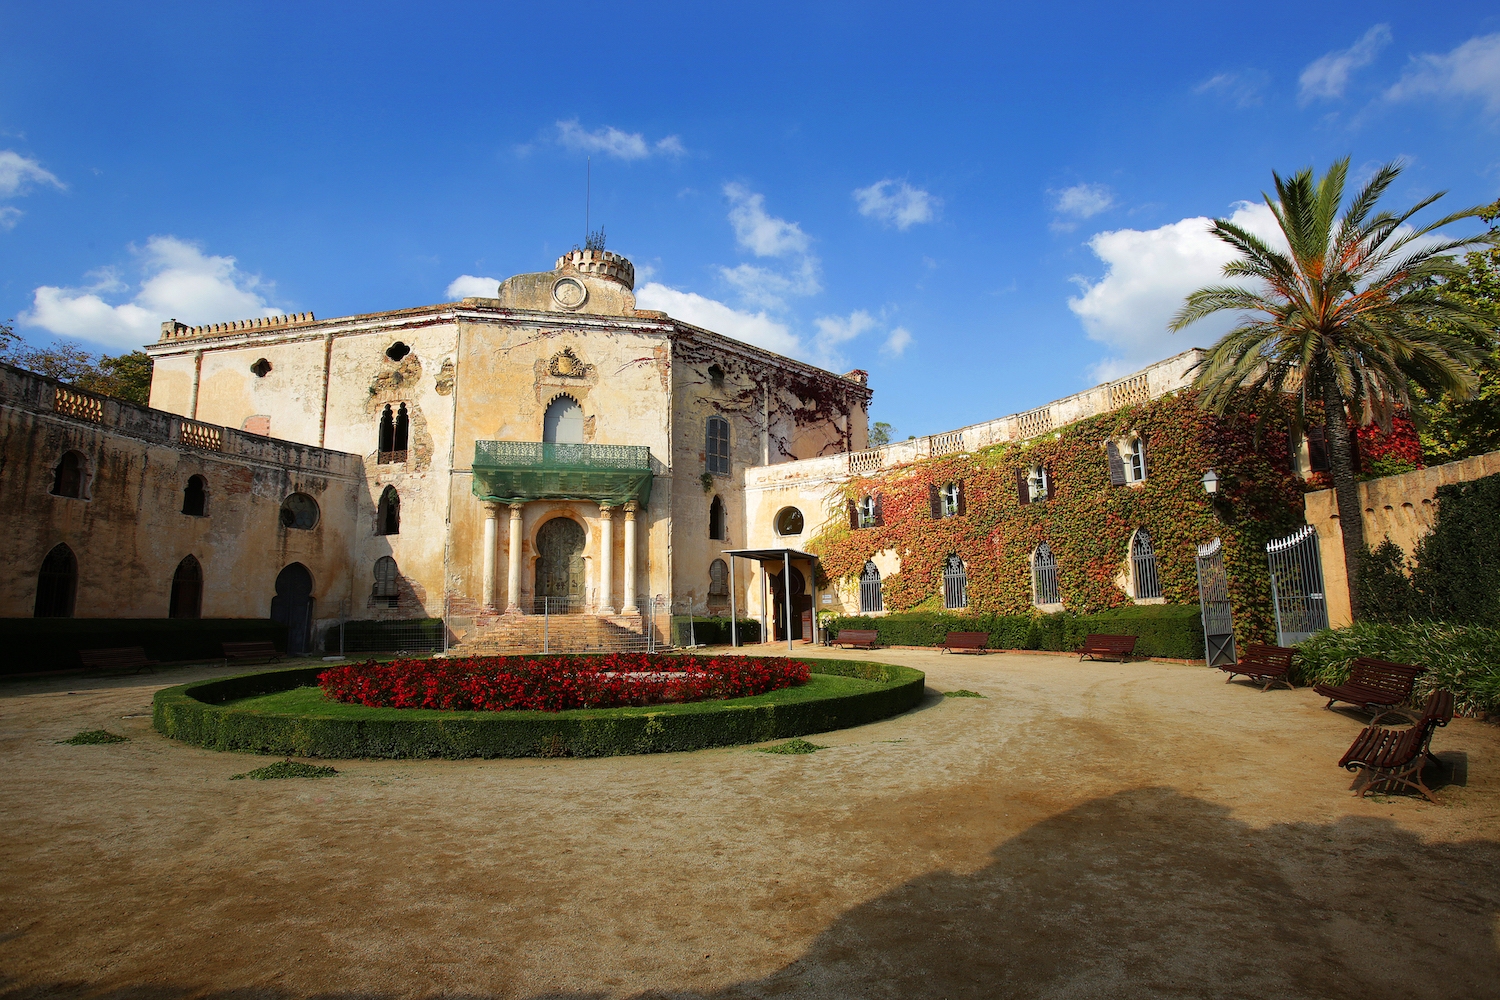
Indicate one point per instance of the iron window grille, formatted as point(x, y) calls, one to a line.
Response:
point(955, 584)
point(870, 598)
point(1044, 589)
point(1143, 561)
point(717, 446)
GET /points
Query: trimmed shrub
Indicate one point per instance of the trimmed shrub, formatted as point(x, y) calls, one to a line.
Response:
point(1170, 630)
point(1458, 658)
point(711, 631)
point(38, 644)
point(199, 714)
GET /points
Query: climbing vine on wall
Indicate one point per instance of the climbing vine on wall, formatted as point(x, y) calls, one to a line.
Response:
point(1086, 521)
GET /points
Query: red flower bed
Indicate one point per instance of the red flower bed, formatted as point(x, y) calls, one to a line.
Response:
point(555, 683)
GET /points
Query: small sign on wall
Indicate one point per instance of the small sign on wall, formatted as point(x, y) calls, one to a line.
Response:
point(827, 598)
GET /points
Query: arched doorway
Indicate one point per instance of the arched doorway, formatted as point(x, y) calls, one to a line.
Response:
point(801, 602)
point(187, 590)
point(559, 566)
point(57, 584)
point(293, 604)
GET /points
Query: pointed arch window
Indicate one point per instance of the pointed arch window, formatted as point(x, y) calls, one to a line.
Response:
point(716, 447)
point(718, 521)
point(395, 429)
point(187, 590)
point(1143, 567)
point(563, 422)
point(68, 477)
point(56, 584)
point(195, 497)
point(385, 591)
point(870, 596)
point(1044, 589)
point(388, 512)
point(955, 584)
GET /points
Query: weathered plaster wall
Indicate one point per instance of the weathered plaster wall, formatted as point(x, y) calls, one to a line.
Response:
point(1401, 508)
point(129, 533)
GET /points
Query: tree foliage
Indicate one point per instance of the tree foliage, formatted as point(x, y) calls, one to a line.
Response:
point(124, 376)
point(881, 434)
point(1351, 313)
point(1454, 428)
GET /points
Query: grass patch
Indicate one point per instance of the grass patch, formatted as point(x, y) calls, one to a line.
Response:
point(93, 737)
point(962, 693)
point(794, 746)
point(286, 769)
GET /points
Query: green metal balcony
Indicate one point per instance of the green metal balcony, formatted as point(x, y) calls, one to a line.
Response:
point(518, 471)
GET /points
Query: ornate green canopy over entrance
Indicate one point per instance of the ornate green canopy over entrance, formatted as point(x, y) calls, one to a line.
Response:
point(518, 471)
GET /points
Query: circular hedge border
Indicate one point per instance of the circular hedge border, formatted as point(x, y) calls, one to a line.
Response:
point(198, 713)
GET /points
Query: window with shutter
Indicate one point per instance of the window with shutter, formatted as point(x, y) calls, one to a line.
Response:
point(1317, 449)
point(1138, 460)
point(1023, 488)
point(717, 446)
point(1036, 483)
point(867, 512)
point(1116, 464)
point(879, 512)
point(935, 504)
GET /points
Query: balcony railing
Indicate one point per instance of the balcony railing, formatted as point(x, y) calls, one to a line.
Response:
point(517, 471)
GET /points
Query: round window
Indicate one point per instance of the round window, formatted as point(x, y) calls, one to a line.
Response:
point(299, 511)
point(789, 521)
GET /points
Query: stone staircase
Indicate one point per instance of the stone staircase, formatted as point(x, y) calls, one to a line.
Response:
point(504, 635)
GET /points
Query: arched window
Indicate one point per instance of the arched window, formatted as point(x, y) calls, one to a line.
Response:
point(789, 521)
point(56, 584)
point(67, 479)
point(1044, 589)
point(955, 584)
point(384, 592)
point(718, 578)
point(563, 422)
point(388, 513)
point(718, 521)
point(717, 446)
point(395, 428)
point(869, 512)
point(1137, 463)
point(1143, 566)
point(187, 590)
point(870, 598)
point(299, 511)
point(195, 497)
point(946, 500)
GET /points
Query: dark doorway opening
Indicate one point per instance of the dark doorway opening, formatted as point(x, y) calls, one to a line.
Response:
point(293, 605)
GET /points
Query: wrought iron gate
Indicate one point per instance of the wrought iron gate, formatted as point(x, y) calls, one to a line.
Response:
point(1213, 600)
point(1297, 585)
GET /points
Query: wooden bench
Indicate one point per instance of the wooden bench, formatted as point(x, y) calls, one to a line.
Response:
point(975, 642)
point(250, 651)
point(1375, 686)
point(1262, 663)
point(1394, 758)
point(857, 637)
point(132, 658)
point(1114, 647)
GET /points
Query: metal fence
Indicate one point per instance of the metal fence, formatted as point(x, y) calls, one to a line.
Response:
point(1297, 585)
point(395, 636)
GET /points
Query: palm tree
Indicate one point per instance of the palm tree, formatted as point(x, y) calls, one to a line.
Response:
point(1350, 313)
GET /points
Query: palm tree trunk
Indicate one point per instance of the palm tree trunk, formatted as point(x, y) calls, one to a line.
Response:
point(1345, 489)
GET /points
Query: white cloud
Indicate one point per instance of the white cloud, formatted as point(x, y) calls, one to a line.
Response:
point(763, 287)
point(1081, 201)
point(896, 344)
point(1244, 87)
point(1147, 275)
point(9, 216)
point(180, 282)
point(762, 234)
point(1326, 77)
point(834, 331)
point(1471, 70)
point(610, 141)
point(903, 207)
point(468, 286)
point(18, 173)
point(752, 328)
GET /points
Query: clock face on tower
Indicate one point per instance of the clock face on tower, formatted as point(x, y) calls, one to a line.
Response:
point(569, 293)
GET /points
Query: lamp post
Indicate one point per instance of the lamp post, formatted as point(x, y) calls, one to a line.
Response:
point(1210, 482)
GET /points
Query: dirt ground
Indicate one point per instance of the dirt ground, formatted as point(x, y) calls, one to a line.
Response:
point(1085, 830)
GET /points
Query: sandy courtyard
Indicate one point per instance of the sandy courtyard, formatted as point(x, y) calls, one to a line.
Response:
point(1085, 830)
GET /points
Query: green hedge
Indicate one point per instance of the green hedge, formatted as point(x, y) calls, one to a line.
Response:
point(711, 631)
point(1458, 658)
point(38, 644)
point(199, 714)
point(1170, 630)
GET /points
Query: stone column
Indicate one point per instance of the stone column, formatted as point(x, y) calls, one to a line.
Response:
point(491, 535)
point(630, 602)
point(513, 576)
point(606, 559)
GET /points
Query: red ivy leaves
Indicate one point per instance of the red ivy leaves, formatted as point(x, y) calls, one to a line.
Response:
point(556, 683)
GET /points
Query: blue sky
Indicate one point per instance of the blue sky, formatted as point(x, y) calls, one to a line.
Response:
point(987, 207)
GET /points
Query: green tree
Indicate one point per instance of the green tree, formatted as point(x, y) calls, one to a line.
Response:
point(124, 376)
point(1350, 314)
point(881, 433)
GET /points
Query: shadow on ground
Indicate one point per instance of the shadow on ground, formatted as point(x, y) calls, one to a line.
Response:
point(1145, 893)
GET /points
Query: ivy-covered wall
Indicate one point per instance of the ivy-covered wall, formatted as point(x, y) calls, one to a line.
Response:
point(1087, 521)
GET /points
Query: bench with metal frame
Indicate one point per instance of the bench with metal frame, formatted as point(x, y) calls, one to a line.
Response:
point(1262, 663)
point(1379, 687)
point(262, 650)
point(856, 637)
point(1112, 647)
point(973, 642)
point(132, 658)
point(1394, 758)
